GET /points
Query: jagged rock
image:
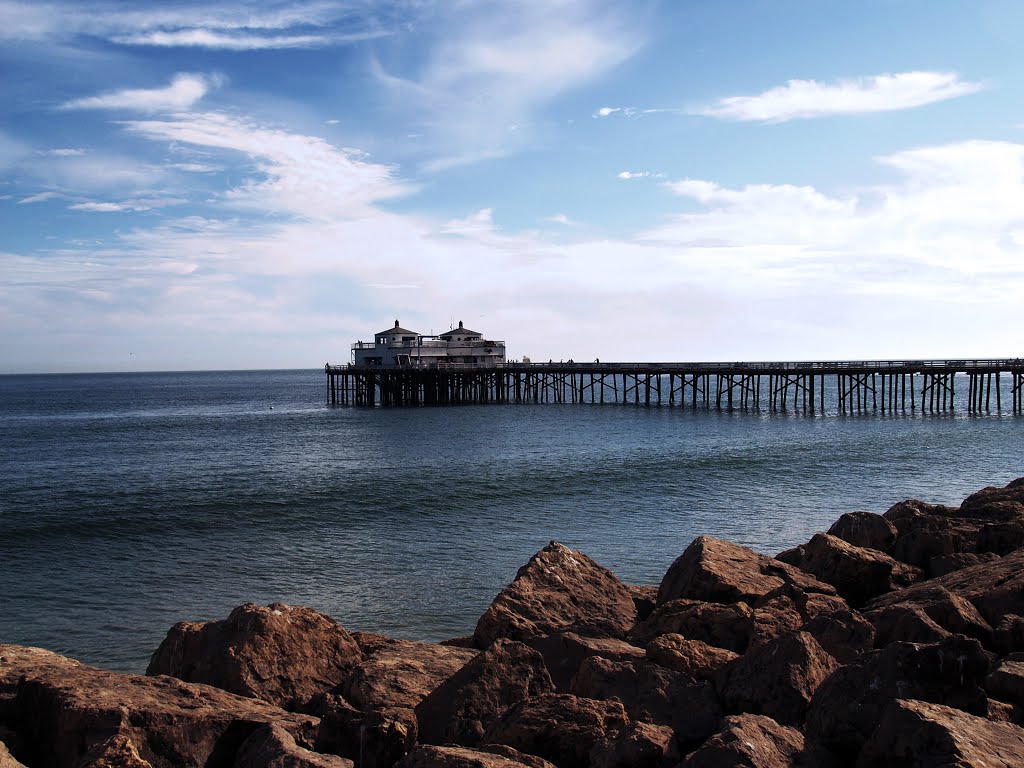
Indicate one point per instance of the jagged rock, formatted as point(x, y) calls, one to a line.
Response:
point(116, 752)
point(7, 759)
point(645, 599)
point(400, 673)
point(717, 571)
point(857, 573)
point(563, 653)
point(652, 694)
point(774, 615)
point(460, 709)
point(995, 589)
point(792, 556)
point(724, 626)
point(905, 624)
point(749, 741)
point(692, 657)
point(864, 529)
point(273, 747)
point(1006, 681)
point(377, 738)
point(940, 565)
point(282, 654)
point(559, 727)
point(1001, 538)
point(777, 679)
point(1008, 636)
point(844, 635)
point(514, 754)
point(558, 590)
point(993, 503)
point(848, 705)
point(840, 630)
point(639, 745)
point(62, 710)
point(917, 734)
point(461, 757)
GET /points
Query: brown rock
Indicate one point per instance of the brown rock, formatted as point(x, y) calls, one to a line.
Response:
point(1006, 681)
point(652, 694)
point(940, 565)
point(865, 529)
point(777, 679)
point(717, 571)
point(639, 745)
point(460, 709)
point(400, 673)
point(840, 630)
point(645, 599)
point(559, 727)
point(116, 752)
point(995, 589)
point(905, 624)
point(844, 635)
point(514, 754)
point(563, 653)
point(1003, 537)
point(848, 706)
point(280, 653)
point(774, 615)
point(724, 626)
point(857, 573)
point(7, 759)
point(63, 709)
point(1008, 636)
point(377, 738)
point(273, 747)
point(559, 590)
point(994, 503)
point(917, 734)
point(460, 757)
point(691, 657)
point(753, 741)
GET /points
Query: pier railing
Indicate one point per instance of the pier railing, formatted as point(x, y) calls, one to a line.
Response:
point(843, 386)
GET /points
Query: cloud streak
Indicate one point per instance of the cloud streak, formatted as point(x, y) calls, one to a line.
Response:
point(802, 99)
point(183, 91)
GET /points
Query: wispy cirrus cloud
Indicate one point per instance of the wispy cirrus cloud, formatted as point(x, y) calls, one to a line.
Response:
point(184, 90)
point(799, 99)
point(128, 205)
point(40, 197)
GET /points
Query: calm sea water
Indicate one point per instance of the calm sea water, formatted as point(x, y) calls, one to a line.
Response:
point(131, 501)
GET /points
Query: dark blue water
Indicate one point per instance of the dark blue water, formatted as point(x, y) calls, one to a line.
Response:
point(131, 501)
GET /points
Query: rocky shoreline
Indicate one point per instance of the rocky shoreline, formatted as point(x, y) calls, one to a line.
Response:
point(893, 639)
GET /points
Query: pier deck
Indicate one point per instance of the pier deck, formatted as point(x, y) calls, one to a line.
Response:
point(844, 386)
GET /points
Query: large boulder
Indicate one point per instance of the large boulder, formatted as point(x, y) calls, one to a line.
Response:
point(460, 757)
point(116, 752)
point(273, 747)
point(840, 630)
point(723, 626)
point(461, 708)
point(848, 706)
point(857, 573)
point(995, 589)
point(559, 727)
point(865, 529)
point(777, 679)
point(558, 590)
point(953, 613)
point(63, 711)
point(917, 734)
point(280, 653)
point(639, 745)
point(691, 657)
point(716, 571)
point(376, 738)
point(1006, 681)
point(563, 653)
point(749, 741)
point(652, 694)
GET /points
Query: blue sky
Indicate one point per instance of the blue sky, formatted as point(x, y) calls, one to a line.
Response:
point(257, 185)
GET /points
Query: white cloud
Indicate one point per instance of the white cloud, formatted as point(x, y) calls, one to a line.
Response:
point(626, 175)
point(39, 198)
point(128, 205)
point(226, 41)
point(184, 91)
point(561, 218)
point(65, 152)
point(606, 111)
point(294, 174)
point(809, 98)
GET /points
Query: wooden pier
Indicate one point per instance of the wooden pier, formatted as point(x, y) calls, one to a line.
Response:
point(845, 387)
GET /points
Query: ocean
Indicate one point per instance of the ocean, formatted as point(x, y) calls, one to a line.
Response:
point(129, 502)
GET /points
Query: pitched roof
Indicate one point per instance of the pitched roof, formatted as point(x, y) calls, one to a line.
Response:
point(397, 329)
point(460, 331)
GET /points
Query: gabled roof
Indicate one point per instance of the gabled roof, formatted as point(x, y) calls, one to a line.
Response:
point(460, 331)
point(396, 330)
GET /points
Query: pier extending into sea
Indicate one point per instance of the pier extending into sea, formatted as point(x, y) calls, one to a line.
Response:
point(845, 386)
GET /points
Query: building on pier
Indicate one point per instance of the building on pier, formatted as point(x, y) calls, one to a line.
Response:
point(398, 347)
